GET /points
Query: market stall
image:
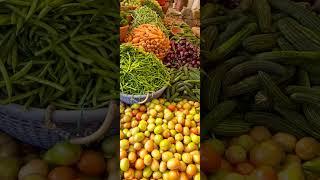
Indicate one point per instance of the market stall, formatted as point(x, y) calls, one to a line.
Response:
point(260, 110)
point(160, 94)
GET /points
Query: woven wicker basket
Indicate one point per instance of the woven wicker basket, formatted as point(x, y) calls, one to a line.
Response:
point(43, 127)
point(141, 99)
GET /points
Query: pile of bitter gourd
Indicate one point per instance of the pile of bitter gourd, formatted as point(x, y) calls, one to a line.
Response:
point(261, 64)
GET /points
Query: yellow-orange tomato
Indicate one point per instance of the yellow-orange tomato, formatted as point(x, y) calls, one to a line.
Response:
point(139, 165)
point(149, 146)
point(132, 157)
point(178, 128)
point(137, 146)
point(173, 175)
point(142, 153)
point(182, 166)
point(183, 176)
point(191, 170)
point(62, 173)
point(173, 164)
point(123, 154)
point(129, 174)
point(92, 163)
point(138, 174)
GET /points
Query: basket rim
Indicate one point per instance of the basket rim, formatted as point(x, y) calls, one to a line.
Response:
point(144, 95)
point(58, 116)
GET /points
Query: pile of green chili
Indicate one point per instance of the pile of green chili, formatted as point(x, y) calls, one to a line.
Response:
point(141, 72)
point(60, 52)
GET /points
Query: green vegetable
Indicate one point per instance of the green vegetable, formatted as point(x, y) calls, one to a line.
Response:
point(300, 37)
point(185, 82)
point(263, 12)
point(233, 43)
point(51, 48)
point(63, 153)
point(141, 72)
point(313, 165)
point(145, 15)
point(260, 43)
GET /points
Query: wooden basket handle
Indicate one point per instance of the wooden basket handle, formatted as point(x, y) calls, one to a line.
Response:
point(112, 110)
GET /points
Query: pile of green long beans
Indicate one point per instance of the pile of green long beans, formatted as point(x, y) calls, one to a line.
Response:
point(59, 52)
point(141, 72)
point(145, 15)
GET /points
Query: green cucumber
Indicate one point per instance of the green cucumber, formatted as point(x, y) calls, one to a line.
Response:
point(216, 115)
point(285, 45)
point(298, 121)
point(312, 114)
point(304, 16)
point(290, 57)
point(231, 128)
point(302, 38)
point(273, 122)
point(263, 12)
point(252, 67)
point(208, 36)
point(274, 91)
point(232, 28)
point(306, 98)
point(230, 45)
point(303, 78)
point(260, 43)
point(302, 89)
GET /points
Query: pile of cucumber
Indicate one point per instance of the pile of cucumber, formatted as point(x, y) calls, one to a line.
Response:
point(261, 64)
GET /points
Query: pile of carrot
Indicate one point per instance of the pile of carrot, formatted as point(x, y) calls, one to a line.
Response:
point(151, 38)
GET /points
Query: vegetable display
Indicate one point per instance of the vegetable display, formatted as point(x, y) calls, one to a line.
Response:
point(151, 38)
point(185, 83)
point(182, 53)
point(141, 72)
point(145, 15)
point(160, 140)
point(58, 53)
point(185, 33)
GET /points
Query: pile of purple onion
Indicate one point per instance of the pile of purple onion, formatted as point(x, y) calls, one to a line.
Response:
point(182, 53)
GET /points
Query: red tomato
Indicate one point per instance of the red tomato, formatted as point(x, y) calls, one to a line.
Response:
point(263, 173)
point(210, 159)
point(142, 108)
point(138, 116)
point(172, 107)
point(244, 168)
point(134, 112)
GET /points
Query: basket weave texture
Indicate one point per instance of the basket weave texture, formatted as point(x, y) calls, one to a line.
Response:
point(29, 126)
point(132, 99)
